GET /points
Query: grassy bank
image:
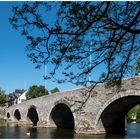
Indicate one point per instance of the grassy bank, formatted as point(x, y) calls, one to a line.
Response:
point(2, 120)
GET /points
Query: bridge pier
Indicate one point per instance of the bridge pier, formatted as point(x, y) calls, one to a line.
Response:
point(85, 126)
point(90, 131)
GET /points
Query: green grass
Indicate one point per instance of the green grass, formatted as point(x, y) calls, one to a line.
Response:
point(2, 120)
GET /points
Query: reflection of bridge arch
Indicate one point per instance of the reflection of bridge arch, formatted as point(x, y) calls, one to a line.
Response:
point(61, 116)
point(112, 114)
point(33, 115)
point(16, 114)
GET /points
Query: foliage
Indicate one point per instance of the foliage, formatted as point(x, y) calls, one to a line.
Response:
point(106, 32)
point(137, 66)
point(55, 90)
point(112, 83)
point(2, 121)
point(2, 97)
point(134, 112)
point(36, 91)
point(138, 115)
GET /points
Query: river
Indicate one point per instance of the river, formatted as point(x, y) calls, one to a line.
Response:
point(10, 131)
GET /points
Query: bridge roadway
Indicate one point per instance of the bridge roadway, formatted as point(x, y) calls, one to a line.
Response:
point(101, 111)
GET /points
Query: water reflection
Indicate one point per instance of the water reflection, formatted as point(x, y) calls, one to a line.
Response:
point(133, 130)
point(32, 132)
point(10, 131)
point(61, 133)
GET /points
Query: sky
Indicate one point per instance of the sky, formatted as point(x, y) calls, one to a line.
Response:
point(16, 70)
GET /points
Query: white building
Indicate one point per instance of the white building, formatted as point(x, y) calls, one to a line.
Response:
point(22, 97)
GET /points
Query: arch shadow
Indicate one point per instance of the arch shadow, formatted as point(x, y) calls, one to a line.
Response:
point(113, 116)
point(62, 117)
point(17, 114)
point(8, 115)
point(33, 115)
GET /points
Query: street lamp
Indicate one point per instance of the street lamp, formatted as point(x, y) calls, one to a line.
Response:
point(90, 60)
point(45, 72)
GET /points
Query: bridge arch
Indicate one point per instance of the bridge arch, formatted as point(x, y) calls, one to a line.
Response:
point(61, 116)
point(33, 115)
point(8, 115)
point(112, 114)
point(17, 114)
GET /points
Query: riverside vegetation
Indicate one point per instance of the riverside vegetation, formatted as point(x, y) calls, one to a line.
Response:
point(134, 114)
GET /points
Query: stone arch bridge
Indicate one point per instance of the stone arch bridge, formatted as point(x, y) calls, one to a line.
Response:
point(101, 111)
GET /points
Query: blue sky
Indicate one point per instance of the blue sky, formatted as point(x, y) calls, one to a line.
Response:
point(16, 70)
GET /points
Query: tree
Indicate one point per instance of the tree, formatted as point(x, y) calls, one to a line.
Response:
point(55, 90)
point(2, 97)
point(137, 66)
point(36, 91)
point(107, 33)
point(134, 113)
point(138, 114)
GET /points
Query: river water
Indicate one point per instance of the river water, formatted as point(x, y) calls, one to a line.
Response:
point(10, 131)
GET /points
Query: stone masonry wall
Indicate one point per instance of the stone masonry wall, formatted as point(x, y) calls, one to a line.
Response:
point(86, 107)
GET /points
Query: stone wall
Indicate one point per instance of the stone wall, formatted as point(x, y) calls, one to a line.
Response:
point(94, 112)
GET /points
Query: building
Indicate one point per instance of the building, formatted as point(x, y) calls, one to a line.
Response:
point(22, 97)
point(12, 98)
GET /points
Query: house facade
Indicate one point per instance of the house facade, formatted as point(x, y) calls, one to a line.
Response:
point(12, 98)
point(22, 97)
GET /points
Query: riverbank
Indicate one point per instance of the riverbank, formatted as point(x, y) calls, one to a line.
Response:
point(2, 120)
